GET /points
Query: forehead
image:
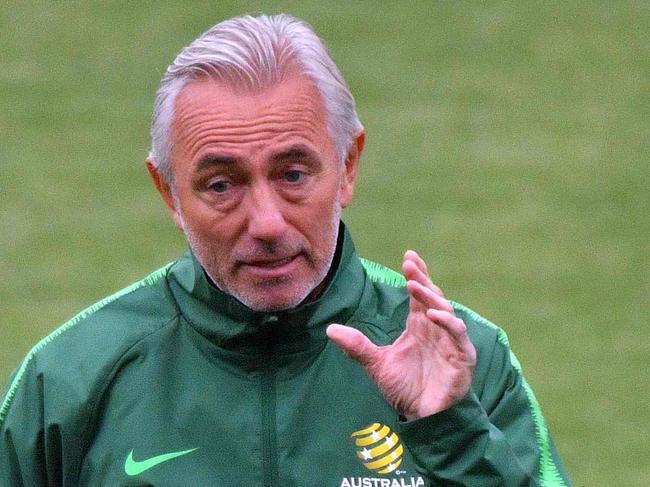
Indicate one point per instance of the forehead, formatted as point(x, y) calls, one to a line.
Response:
point(209, 116)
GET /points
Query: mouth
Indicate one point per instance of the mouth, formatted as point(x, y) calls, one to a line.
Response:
point(274, 267)
point(270, 263)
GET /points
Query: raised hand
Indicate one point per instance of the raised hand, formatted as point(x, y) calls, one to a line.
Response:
point(429, 367)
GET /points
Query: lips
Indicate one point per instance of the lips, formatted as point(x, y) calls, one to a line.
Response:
point(271, 263)
point(268, 268)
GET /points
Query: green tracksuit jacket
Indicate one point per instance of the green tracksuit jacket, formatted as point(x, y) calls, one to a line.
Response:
point(170, 382)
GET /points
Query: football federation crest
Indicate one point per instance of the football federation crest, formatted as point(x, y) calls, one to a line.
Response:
point(378, 448)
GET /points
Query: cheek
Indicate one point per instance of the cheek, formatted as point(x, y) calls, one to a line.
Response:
point(322, 222)
point(196, 224)
point(318, 214)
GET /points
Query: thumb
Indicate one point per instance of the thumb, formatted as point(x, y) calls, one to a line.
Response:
point(353, 342)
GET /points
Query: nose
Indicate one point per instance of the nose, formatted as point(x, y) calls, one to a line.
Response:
point(265, 219)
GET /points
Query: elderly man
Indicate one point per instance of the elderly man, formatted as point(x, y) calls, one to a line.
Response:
point(271, 354)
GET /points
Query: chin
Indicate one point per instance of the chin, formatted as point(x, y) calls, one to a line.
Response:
point(266, 300)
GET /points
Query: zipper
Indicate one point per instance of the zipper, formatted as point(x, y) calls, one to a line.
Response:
point(270, 476)
point(269, 433)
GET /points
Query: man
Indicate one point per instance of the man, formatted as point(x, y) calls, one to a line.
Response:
point(270, 354)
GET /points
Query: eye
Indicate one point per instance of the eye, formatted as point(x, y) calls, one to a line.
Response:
point(294, 176)
point(220, 186)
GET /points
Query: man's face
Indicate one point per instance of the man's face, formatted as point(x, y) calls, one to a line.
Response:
point(258, 188)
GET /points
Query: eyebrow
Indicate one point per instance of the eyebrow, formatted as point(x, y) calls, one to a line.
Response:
point(211, 160)
point(296, 152)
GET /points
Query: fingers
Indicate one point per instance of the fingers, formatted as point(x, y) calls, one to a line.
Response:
point(415, 268)
point(353, 342)
point(427, 297)
point(413, 256)
point(453, 325)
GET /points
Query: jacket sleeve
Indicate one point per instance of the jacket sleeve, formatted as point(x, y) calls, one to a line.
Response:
point(495, 436)
point(45, 415)
point(22, 452)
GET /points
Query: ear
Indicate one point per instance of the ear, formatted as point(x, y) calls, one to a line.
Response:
point(351, 166)
point(164, 189)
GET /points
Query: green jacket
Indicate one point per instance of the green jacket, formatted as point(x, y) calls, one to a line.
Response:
point(170, 382)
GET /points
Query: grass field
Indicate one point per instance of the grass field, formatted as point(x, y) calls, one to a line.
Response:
point(508, 142)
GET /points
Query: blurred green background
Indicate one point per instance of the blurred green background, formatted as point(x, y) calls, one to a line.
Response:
point(508, 142)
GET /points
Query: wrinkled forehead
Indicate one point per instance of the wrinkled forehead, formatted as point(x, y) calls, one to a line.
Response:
point(213, 114)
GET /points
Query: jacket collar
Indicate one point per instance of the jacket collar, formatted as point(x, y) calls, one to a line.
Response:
point(230, 325)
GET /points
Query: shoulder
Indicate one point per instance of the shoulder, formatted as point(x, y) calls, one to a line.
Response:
point(384, 305)
point(482, 331)
point(115, 321)
point(497, 368)
point(386, 308)
point(389, 305)
point(490, 340)
point(86, 346)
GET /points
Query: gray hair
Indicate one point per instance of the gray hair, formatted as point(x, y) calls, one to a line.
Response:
point(255, 53)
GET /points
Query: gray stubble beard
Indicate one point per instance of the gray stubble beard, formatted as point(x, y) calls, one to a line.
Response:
point(251, 301)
